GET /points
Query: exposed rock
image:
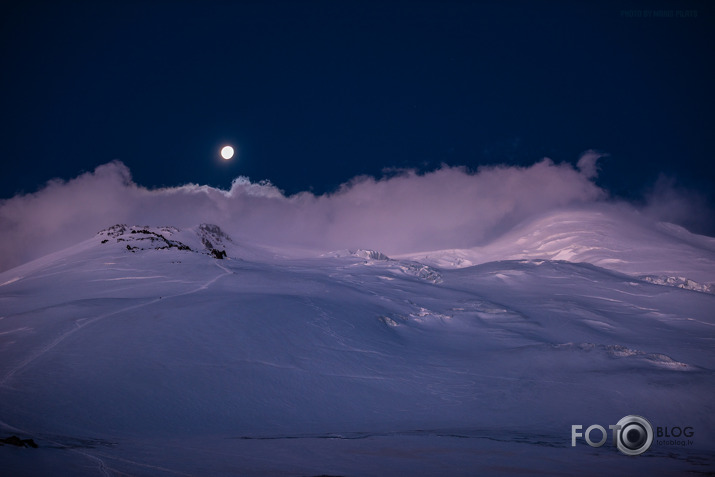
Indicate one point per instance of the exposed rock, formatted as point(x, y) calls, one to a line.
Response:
point(139, 236)
point(212, 236)
point(16, 441)
point(369, 254)
point(114, 231)
point(420, 271)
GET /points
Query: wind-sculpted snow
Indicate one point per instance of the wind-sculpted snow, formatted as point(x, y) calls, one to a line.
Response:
point(627, 244)
point(162, 361)
point(622, 353)
point(360, 253)
point(381, 261)
point(680, 282)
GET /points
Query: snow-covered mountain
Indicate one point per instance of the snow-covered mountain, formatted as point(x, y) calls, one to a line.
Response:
point(156, 351)
point(630, 244)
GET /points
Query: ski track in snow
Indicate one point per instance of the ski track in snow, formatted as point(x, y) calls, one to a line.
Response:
point(98, 458)
point(102, 466)
point(79, 326)
point(127, 278)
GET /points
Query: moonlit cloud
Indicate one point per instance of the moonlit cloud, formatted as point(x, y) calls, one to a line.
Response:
point(588, 163)
point(667, 201)
point(407, 212)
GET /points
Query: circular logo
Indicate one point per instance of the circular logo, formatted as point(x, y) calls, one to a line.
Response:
point(634, 436)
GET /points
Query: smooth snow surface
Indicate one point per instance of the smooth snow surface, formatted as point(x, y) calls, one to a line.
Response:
point(599, 236)
point(135, 357)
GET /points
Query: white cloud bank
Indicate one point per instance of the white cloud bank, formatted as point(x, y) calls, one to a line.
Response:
point(447, 208)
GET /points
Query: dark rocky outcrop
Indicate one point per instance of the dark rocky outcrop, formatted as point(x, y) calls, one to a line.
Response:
point(142, 238)
point(16, 441)
point(138, 238)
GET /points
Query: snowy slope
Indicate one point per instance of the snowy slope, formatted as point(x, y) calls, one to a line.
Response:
point(138, 357)
point(620, 241)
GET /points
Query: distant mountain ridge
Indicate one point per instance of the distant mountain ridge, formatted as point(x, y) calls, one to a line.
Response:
point(661, 253)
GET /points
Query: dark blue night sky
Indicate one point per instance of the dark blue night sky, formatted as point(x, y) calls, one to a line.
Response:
point(314, 93)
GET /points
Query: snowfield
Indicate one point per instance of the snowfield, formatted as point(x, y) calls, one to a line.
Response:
point(138, 352)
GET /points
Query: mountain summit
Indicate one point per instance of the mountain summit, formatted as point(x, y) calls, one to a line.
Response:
point(212, 239)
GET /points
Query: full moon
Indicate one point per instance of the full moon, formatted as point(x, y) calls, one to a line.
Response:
point(227, 152)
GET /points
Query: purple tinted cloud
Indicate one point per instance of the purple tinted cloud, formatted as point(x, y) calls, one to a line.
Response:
point(447, 208)
point(667, 201)
point(588, 163)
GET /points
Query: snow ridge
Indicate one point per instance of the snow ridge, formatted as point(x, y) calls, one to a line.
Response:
point(405, 267)
point(679, 282)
